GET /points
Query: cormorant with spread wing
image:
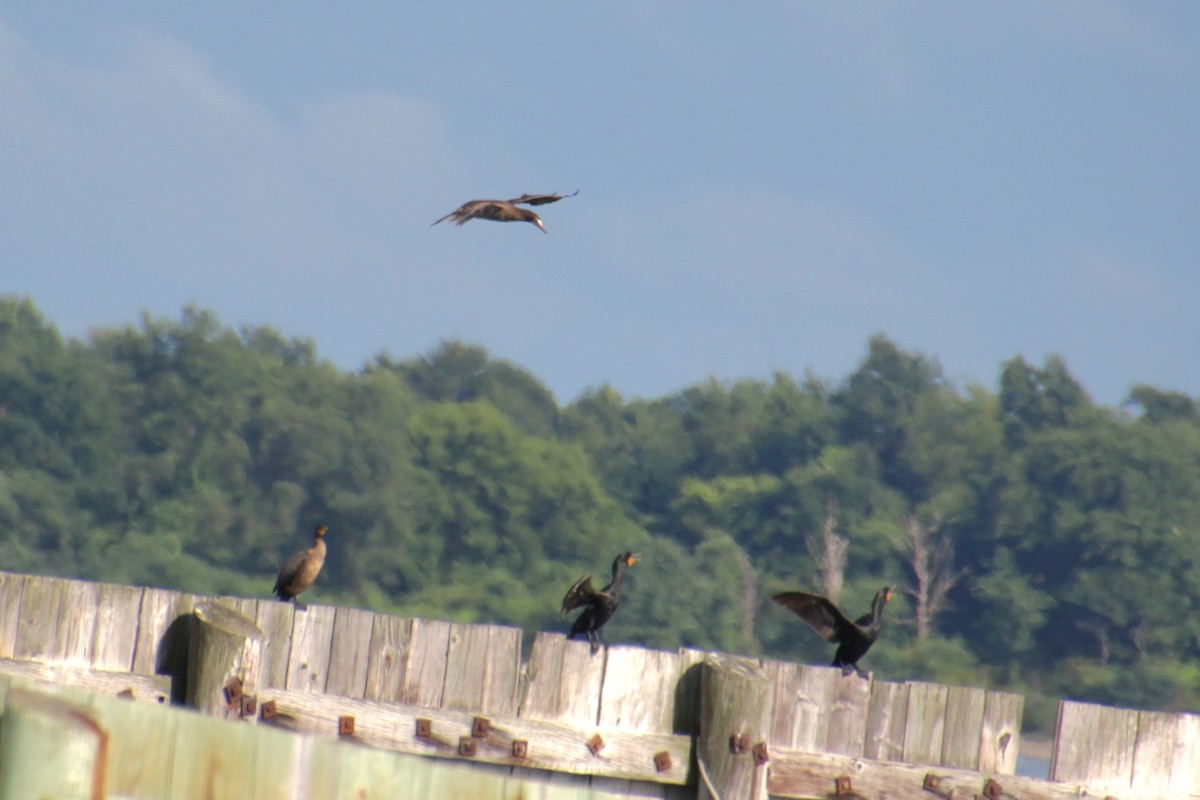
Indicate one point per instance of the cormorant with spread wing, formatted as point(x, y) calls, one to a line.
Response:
point(505, 210)
point(599, 606)
point(853, 639)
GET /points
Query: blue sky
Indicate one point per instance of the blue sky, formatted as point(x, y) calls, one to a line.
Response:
point(762, 185)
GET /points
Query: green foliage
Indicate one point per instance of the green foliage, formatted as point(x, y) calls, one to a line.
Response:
point(188, 454)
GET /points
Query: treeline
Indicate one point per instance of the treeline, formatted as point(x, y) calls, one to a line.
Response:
point(1041, 542)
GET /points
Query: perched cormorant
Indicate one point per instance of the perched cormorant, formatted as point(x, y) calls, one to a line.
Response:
point(301, 569)
point(600, 605)
point(505, 210)
point(854, 639)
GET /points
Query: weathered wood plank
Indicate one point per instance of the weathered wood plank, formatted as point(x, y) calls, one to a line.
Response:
point(466, 665)
point(275, 619)
point(848, 714)
point(802, 701)
point(812, 776)
point(925, 724)
point(1154, 751)
point(639, 689)
point(349, 652)
point(551, 746)
point(1000, 733)
point(563, 681)
point(57, 620)
point(146, 688)
point(114, 639)
point(1094, 744)
point(1185, 770)
point(425, 668)
point(141, 745)
point(312, 639)
point(887, 718)
point(387, 658)
point(964, 721)
point(502, 678)
point(735, 700)
point(687, 691)
point(11, 587)
point(164, 625)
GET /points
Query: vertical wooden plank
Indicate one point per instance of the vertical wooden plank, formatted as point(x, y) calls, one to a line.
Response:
point(502, 677)
point(925, 724)
point(687, 691)
point(543, 676)
point(1154, 752)
point(366, 774)
point(276, 620)
point(466, 662)
point(562, 681)
point(387, 658)
point(1185, 769)
point(638, 692)
point(76, 623)
point(800, 712)
point(848, 714)
point(164, 622)
point(36, 625)
point(1094, 744)
point(448, 779)
point(11, 587)
point(349, 652)
point(887, 716)
point(213, 758)
point(1000, 733)
point(604, 788)
point(281, 764)
point(308, 659)
point(115, 636)
point(425, 668)
point(964, 721)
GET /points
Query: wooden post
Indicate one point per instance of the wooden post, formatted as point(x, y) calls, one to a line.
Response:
point(736, 699)
point(50, 748)
point(224, 646)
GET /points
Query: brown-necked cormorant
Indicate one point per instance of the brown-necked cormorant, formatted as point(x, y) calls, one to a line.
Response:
point(600, 605)
point(505, 210)
point(854, 639)
point(301, 569)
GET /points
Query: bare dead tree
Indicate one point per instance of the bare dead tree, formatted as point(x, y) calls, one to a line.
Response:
point(829, 551)
point(931, 556)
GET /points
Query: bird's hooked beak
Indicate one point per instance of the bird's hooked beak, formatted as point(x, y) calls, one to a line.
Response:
point(538, 222)
point(887, 594)
point(632, 559)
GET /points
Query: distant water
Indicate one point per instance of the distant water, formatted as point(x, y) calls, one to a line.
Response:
point(1030, 767)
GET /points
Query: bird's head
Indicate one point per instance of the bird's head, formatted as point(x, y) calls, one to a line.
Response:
point(320, 531)
point(529, 216)
point(887, 593)
point(632, 558)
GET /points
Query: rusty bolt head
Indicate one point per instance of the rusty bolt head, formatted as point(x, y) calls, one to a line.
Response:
point(125, 694)
point(761, 756)
point(662, 761)
point(932, 782)
point(424, 728)
point(249, 705)
point(992, 790)
point(346, 725)
point(739, 743)
point(843, 786)
point(595, 744)
point(233, 691)
point(480, 726)
point(466, 746)
point(520, 748)
point(268, 710)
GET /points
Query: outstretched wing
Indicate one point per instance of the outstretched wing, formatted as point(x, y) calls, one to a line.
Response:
point(824, 617)
point(472, 209)
point(541, 199)
point(579, 594)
